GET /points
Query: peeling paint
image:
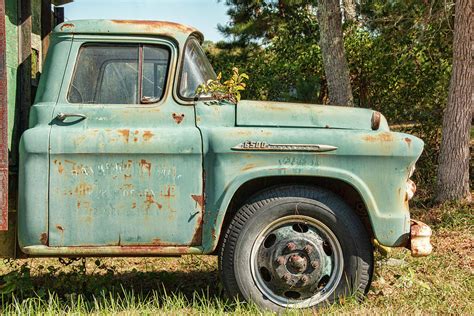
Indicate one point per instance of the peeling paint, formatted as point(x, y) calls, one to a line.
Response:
point(381, 137)
point(199, 199)
point(125, 133)
point(44, 238)
point(157, 25)
point(65, 26)
point(420, 234)
point(178, 118)
point(150, 200)
point(147, 136)
point(146, 165)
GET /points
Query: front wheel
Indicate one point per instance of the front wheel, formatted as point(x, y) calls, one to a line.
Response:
point(295, 247)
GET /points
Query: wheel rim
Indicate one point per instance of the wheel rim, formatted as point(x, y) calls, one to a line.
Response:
point(296, 261)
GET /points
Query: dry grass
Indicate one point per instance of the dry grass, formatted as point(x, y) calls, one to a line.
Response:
point(442, 283)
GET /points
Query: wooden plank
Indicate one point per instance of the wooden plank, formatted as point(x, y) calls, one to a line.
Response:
point(24, 87)
point(3, 123)
point(46, 25)
point(58, 15)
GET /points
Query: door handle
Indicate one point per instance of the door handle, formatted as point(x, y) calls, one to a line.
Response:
point(62, 116)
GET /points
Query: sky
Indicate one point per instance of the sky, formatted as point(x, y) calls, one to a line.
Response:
point(201, 14)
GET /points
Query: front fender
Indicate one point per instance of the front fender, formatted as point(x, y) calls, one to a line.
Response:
point(388, 227)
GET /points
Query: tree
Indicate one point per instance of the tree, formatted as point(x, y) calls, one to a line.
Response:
point(254, 21)
point(349, 8)
point(334, 56)
point(453, 172)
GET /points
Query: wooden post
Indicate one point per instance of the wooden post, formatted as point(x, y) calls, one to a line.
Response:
point(58, 15)
point(24, 69)
point(46, 25)
point(3, 123)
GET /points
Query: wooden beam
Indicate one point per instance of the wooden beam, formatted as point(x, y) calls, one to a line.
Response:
point(24, 69)
point(46, 25)
point(3, 123)
point(58, 15)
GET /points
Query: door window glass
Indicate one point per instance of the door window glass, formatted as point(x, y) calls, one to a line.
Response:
point(111, 74)
point(196, 69)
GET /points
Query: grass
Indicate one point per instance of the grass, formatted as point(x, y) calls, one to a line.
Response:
point(442, 283)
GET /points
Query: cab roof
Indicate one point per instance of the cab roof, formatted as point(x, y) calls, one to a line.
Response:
point(180, 32)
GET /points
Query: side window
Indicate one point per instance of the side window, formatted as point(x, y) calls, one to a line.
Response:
point(119, 74)
point(195, 71)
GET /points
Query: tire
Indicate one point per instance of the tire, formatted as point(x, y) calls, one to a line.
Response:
point(295, 247)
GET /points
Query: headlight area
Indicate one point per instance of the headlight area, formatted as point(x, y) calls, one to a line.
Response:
point(420, 233)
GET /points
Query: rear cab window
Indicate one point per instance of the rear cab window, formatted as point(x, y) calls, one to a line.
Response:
point(119, 74)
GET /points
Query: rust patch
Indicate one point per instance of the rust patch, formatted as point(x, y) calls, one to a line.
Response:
point(150, 200)
point(408, 141)
point(178, 117)
point(168, 193)
point(147, 135)
point(381, 137)
point(60, 167)
point(420, 234)
point(146, 165)
point(134, 205)
point(199, 199)
point(248, 166)
point(60, 228)
point(157, 24)
point(125, 133)
point(156, 241)
point(78, 204)
point(44, 239)
point(197, 237)
point(213, 234)
point(83, 189)
point(67, 26)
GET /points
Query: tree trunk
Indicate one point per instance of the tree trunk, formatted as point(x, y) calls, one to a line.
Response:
point(349, 10)
point(453, 171)
point(334, 57)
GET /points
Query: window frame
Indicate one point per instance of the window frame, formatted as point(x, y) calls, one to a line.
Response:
point(113, 43)
point(180, 73)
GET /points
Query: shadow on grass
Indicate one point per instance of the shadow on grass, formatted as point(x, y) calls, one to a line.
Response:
point(142, 283)
point(153, 289)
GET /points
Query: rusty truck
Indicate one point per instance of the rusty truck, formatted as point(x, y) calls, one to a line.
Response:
point(120, 158)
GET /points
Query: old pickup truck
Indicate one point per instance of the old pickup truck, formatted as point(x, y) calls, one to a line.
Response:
point(122, 159)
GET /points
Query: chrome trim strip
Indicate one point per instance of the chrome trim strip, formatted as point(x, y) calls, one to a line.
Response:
point(264, 146)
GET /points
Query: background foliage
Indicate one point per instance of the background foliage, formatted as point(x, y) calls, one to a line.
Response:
point(399, 54)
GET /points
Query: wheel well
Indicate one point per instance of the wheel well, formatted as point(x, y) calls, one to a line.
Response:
point(344, 190)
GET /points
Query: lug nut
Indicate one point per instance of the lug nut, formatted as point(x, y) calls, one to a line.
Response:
point(291, 246)
point(308, 249)
point(304, 279)
point(315, 264)
point(281, 260)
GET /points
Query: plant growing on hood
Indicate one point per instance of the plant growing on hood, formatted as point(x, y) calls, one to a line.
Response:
point(229, 90)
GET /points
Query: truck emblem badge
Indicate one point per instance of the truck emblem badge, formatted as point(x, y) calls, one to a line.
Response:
point(264, 146)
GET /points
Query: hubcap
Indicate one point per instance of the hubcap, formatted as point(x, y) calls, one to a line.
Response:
point(296, 261)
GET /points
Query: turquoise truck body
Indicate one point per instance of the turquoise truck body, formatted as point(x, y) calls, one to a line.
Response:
point(165, 178)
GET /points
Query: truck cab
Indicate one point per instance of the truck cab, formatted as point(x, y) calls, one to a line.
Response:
point(121, 158)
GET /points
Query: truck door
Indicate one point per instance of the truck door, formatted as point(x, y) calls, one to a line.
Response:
point(126, 160)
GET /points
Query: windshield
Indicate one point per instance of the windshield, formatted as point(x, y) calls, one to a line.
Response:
point(196, 69)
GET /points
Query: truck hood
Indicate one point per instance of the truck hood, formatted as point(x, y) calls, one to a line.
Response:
point(282, 114)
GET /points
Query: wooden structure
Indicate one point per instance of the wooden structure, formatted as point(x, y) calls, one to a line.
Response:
point(24, 29)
